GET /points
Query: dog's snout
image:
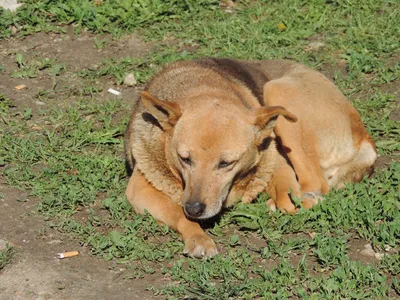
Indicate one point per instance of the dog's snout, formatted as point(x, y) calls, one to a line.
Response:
point(195, 209)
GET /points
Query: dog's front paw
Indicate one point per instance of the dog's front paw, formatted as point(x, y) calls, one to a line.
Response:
point(311, 198)
point(200, 246)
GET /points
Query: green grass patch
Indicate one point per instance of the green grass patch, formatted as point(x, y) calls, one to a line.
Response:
point(100, 16)
point(225, 278)
point(5, 104)
point(6, 256)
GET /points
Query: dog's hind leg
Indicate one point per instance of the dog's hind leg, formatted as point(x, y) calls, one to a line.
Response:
point(283, 187)
point(362, 164)
point(144, 197)
point(304, 156)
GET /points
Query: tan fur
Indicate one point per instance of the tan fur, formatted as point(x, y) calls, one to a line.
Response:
point(209, 133)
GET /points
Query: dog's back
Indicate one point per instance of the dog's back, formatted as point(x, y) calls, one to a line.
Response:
point(180, 78)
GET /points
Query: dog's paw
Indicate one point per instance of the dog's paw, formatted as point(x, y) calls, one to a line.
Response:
point(311, 198)
point(286, 207)
point(271, 204)
point(200, 246)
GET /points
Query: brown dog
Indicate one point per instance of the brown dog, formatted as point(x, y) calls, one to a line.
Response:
point(206, 134)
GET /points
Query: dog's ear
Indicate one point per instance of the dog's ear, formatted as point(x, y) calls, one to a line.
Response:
point(265, 118)
point(167, 113)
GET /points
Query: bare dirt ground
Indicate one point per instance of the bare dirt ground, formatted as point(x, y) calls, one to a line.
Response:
point(37, 273)
point(77, 53)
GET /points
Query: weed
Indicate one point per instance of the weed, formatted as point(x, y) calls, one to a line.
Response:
point(330, 251)
point(5, 104)
point(6, 256)
point(99, 44)
point(31, 69)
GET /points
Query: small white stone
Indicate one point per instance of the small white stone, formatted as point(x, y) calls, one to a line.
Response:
point(10, 4)
point(315, 45)
point(368, 246)
point(368, 251)
point(379, 256)
point(130, 80)
point(387, 248)
point(14, 30)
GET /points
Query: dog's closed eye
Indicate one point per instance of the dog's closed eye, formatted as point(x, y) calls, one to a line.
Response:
point(185, 160)
point(224, 164)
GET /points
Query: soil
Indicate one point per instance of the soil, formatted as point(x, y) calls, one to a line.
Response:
point(37, 273)
point(76, 53)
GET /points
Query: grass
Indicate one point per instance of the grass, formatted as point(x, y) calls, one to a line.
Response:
point(73, 158)
point(100, 16)
point(6, 256)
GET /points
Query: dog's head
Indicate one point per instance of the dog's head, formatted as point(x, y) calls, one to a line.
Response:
point(209, 145)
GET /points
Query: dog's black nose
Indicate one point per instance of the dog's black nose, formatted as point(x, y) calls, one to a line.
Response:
point(195, 209)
